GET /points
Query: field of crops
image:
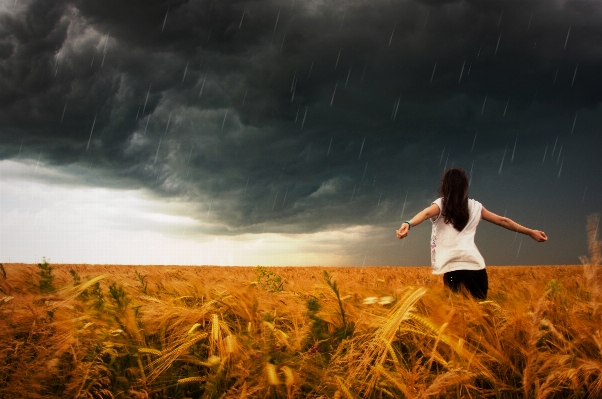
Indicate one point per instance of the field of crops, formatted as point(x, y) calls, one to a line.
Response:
point(89, 331)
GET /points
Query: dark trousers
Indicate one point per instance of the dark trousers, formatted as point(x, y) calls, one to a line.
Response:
point(474, 281)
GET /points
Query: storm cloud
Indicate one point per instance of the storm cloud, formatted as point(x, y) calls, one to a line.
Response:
point(306, 116)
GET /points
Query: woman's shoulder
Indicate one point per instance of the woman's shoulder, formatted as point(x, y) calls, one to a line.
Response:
point(474, 204)
point(439, 203)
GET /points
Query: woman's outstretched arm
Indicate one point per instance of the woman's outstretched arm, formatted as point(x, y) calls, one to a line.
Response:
point(420, 217)
point(510, 224)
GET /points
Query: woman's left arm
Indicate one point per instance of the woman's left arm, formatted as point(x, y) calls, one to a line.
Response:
point(420, 217)
point(510, 224)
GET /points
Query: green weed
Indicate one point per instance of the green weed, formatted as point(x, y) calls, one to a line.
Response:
point(267, 280)
point(46, 277)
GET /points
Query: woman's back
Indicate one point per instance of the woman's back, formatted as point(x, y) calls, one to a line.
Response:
point(452, 249)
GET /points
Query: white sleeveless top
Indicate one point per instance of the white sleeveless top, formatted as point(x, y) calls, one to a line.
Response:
point(452, 249)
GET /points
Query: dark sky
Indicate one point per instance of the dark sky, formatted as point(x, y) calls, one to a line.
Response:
point(299, 117)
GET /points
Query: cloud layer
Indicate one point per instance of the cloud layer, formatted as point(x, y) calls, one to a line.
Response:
point(298, 117)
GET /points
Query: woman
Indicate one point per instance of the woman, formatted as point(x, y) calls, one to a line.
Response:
point(455, 218)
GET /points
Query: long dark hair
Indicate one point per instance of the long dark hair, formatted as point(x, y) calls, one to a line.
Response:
point(454, 190)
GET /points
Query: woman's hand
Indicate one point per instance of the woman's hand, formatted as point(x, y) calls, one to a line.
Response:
point(538, 236)
point(420, 217)
point(403, 231)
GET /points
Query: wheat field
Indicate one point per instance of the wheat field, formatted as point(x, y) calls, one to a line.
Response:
point(98, 331)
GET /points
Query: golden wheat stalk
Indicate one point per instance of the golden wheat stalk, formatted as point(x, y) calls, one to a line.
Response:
point(165, 361)
point(151, 299)
point(214, 327)
point(377, 350)
point(343, 388)
point(289, 377)
point(460, 349)
point(191, 379)
point(194, 327)
point(396, 381)
point(447, 380)
point(591, 265)
point(74, 292)
point(272, 375)
point(231, 344)
point(434, 353)
point(392, 353)
point(151, 351)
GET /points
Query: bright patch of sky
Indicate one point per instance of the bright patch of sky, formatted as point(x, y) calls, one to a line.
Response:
point(80, 224)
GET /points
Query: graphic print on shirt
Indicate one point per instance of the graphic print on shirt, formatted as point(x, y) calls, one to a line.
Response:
point(433, 248)
point(434, 235)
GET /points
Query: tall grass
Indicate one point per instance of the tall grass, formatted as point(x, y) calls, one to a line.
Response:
point(185, 332)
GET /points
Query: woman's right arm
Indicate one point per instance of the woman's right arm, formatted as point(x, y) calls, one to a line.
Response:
point(512, 225)
point(420, 217)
